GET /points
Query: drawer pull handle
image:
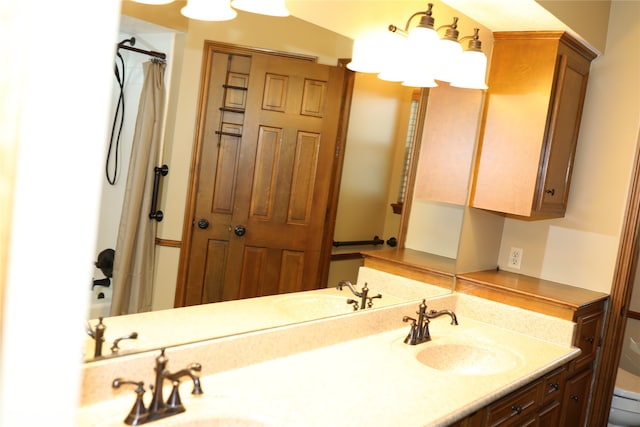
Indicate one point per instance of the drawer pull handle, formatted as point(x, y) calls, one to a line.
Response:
point(516, 410)
point(590, 340)
point(551, 191)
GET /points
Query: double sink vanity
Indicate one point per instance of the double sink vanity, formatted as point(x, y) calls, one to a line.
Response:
point(500, 365)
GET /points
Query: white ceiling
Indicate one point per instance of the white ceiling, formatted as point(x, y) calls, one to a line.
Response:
point(355, 18)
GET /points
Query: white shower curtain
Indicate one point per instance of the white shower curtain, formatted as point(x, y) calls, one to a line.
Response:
point(135, 249)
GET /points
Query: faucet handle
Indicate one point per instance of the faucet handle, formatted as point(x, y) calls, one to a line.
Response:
point(174, 401)
point(131, 336)
point(412, 337)
point(354, 303)
point(138, 412)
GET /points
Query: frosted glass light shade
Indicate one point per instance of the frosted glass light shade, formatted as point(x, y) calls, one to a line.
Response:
point(472, 71)
point(449, 56)
point(393, 51)
point(209, 10)
point(156, 2)
point(365, 57)
point(263, 7)
point(423, 39)
point(419, 79)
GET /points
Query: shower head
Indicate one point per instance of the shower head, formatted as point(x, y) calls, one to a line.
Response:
point(131, 41)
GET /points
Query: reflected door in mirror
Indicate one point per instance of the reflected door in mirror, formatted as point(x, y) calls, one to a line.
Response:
point(266, 149)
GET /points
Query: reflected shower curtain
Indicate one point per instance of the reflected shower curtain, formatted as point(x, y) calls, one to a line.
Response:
point(135, 248)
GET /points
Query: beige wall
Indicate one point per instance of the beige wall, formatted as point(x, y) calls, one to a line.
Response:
point(587, 17)
point(377, 125)
point(581, 248)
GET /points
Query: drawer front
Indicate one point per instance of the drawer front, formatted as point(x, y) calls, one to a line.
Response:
point(516, 409)
point(587, 339)
point(553, 386)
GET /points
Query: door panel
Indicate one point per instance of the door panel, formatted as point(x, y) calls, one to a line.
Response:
point(265, 161)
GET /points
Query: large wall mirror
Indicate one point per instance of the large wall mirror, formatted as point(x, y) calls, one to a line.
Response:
point(382, 117)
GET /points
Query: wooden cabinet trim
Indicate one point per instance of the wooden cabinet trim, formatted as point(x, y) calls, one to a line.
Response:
point(528, 292)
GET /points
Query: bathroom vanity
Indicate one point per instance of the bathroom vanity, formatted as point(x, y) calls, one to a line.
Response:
point(501, 365)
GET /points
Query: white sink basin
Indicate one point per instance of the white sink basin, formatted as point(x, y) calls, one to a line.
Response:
point(473, 358)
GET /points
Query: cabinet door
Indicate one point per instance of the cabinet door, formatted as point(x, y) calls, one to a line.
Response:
point(537, 82)
point(576, 398)
point(549, 416)
point(448, 144)
point(570, 86)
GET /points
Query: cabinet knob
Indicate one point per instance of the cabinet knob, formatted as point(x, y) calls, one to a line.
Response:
point(554, 387)
point(589, 340)
point(574, 397)
point(551, 191)
point(516, 410)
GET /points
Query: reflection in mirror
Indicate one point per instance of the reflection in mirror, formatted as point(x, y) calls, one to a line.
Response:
point(378, 108)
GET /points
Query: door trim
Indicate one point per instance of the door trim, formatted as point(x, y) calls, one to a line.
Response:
point(617, 313)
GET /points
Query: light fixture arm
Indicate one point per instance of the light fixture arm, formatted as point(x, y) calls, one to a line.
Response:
point(426, 21)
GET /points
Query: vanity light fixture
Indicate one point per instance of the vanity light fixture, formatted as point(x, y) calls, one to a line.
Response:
point(223, 10)
point(263, 7)
point(419, 56)
point(155, 2)
point(209, 10)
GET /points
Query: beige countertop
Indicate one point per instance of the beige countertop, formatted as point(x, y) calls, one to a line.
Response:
point(347, 371)
point(166, 328)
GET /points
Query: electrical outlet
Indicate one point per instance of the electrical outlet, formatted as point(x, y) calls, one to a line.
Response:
point(515, 258)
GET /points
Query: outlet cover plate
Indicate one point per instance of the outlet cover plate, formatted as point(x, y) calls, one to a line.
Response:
point(515, 258)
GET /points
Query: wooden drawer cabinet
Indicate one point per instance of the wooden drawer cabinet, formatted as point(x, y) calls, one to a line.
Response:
point(549, 416)
point(552, 387)
point(587, 339)
point(537, 84)
point(516, 409)
point(536, 404)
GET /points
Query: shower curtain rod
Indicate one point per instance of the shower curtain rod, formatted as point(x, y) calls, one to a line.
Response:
point(132, 41)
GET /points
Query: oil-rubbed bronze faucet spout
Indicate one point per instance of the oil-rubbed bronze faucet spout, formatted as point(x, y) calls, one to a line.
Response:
point(159, 408)
point(365, 300)
point(97, 334)
point(419, 332)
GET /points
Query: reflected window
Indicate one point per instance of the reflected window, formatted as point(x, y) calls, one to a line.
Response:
point(408, 149)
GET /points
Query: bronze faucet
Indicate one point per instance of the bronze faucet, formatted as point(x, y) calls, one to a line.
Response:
point(159, 408)
point(365, 300)
point(97, 334)
point(419, 332)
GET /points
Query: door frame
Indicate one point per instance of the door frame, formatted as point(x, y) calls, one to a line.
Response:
point(620, 297)
point(190, 205)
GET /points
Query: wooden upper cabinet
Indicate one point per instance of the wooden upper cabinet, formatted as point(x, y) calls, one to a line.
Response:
point(448, 144)
point(537, 84)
